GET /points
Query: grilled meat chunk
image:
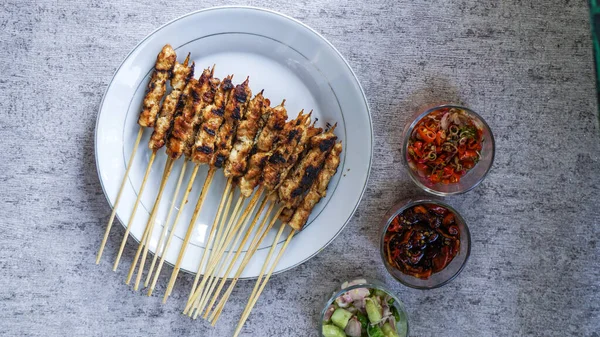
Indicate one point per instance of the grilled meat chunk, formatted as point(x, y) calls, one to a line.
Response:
point(245, 136)
point(196, 95)
point(266, 141)
point(181, 76)
point(286, 154)
point(212, 118)
point(306, 169)
point(165, 61)
point(318, 189)
point(234, 112)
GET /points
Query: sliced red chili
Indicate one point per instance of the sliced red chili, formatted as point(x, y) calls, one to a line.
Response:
point(468, 154)
point(427, 135)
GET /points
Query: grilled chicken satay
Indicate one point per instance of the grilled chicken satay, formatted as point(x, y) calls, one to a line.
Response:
point(212, 118)
point(307, 168)
point(286, 154)
point(234, 112)
point(286, 214)
point(196, 95)
point(165, 61)
point(318, 189)
point(208, 97)
point(245, 136)
point(266, 141)
point(290, 207)
point(181, 76)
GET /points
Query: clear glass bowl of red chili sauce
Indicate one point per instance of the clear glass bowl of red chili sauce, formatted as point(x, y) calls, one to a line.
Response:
point(424, 243)
point(448, 149)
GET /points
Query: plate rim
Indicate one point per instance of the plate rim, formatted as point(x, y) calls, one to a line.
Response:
point(294, 20)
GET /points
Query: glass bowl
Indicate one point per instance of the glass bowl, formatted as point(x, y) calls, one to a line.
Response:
point(473, 177)
point(451, 270)
point(402, 325)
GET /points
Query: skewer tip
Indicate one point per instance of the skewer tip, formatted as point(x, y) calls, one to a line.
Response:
point(283, 102)
point(212, 71)
point(187, 59)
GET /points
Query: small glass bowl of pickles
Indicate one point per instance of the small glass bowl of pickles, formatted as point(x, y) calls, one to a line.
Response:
point(364, 308)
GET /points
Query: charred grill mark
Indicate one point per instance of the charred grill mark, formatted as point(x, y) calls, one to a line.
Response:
point(219, 112)
point(181, 103)
point(205, 149)
point(240, 94)
point(220, 160)
point(196, 95)
point(209, 131)
point(236, 113)
point(310, 175)
point(292, 134)
point(327, 144)
point(227, 85)
point(297, 192)
point(277, 158)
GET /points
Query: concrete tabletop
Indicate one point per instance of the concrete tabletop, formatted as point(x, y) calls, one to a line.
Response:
point(526, 66)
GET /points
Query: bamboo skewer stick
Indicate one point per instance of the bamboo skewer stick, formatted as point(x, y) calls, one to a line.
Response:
point(237, 253)
point(253, 300)
point(265, 264)
point(135, 206)
point(200, 290)
point(205, 187)
point(240, 220)
point(215, 277)
point(210, 265)
point(253, 247)
point(213, 230)
point(209, 254)
point(143, 245)
point(163, 234)
point(167, 245)
point(114, 210)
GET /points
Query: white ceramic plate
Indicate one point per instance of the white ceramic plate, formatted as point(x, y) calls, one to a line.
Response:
point(282, 56)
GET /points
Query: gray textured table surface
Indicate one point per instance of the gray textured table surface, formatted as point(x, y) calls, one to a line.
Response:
point(526, 67)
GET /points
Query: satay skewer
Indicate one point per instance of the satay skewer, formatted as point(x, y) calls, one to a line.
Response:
point(182, 73)
point(317, 191)
point(204, 152)
point(298, 180)
point(277, 162)
point(233, 112)
point(165, 61)
point(197, 95)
